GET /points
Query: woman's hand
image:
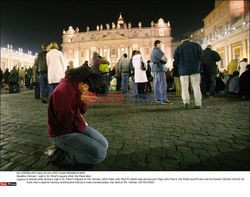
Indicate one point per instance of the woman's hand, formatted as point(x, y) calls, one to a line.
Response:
point(87, 98)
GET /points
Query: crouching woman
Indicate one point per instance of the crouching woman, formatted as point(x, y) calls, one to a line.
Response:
point(76, 142)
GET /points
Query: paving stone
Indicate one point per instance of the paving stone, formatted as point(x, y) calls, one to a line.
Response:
point(141, 137)
point(41, 164)
point(19, 158)
point(153, 159)
point(3, 162)
point(171, 164)
point(155, 167)
point(9, 166)
point(174, 155)
point(29, 161)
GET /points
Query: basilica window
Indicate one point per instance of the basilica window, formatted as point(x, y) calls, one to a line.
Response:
point(236, 4)
point(135, 47)
point(113, 52)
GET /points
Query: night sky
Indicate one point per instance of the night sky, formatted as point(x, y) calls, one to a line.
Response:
point(27, 24)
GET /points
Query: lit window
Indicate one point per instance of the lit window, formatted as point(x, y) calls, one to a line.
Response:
point(113, 52)
point(236, 4)
point(135, 47)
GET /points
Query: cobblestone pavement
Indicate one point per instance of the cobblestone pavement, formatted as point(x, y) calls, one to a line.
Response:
point(141, 136)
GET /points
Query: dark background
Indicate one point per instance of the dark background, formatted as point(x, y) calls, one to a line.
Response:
point(27, 24)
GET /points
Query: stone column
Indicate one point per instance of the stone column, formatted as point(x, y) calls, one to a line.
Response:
point(244, 48)
point(230, 55)
point(126, 50)
point(100, 51)
point(130, 51)
point(86, 58)
point(119, 52)
point(11, 62)
point(225, 57)
point(247, 48)
point(76, 58)
point(108, 54)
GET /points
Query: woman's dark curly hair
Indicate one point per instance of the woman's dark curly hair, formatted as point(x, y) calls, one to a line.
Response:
point(95, 81)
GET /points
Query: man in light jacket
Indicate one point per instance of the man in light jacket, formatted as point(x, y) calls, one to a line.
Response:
point(158, 69)
point(124, 70)
point(188, 58)
point(56, 67)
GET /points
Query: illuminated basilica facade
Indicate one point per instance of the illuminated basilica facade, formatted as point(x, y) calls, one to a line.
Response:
point(18, 58)
point(113, 40)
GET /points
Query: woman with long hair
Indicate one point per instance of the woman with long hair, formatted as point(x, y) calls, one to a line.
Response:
point(76, 141)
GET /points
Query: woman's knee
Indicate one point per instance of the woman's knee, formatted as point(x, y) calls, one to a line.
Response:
point(99, 155)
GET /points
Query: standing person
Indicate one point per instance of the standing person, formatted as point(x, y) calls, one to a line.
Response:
point(177, 82)
point(209, 59)
point(244, 83)
point(30, 74)
point(132, 73)
point(6, 77)
point(13, 81)
point(70, 66)
point(22, 76)
point(188, 57)
point(140, 73)
point(56, 65)
point(242, 66)
point(149, 77)
point(232, 67)
point(76, 142)
point(125, 73)
point(86, 64)
point(96, 61)
point(42, 69)
point(158, 70)
point(1, 78)
point(35, 80)
point(118, 76)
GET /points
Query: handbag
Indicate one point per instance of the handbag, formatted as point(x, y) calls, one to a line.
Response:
point(143, 67)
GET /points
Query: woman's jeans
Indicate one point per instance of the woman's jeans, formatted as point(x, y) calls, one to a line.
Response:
point(51, 88)
point(89, 147)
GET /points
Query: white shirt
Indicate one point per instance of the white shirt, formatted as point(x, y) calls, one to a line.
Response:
point(140, 75)
point(243, 67)
point(56, 66)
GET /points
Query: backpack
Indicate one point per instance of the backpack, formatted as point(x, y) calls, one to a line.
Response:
point(104, 68)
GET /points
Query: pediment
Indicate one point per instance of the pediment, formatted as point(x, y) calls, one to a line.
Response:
point(113, 36)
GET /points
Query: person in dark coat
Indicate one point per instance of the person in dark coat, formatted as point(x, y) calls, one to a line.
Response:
point(13, 78)
point(177, 82)
point(1, 78)
point(188, 58)
point(43, 73)
point(96, 61)
point(86, 65)
point(209, 59)
point(6, 76)
point(244, 83)
point(149, 77)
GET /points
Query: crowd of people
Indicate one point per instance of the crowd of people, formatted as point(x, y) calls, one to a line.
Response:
point(16, 78)
point(66, 89)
